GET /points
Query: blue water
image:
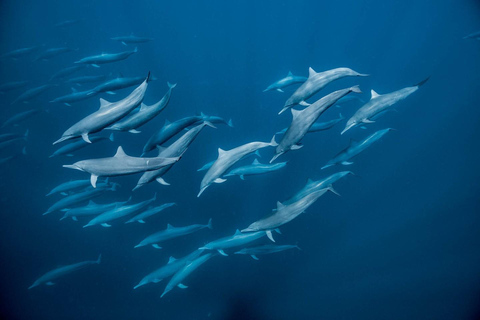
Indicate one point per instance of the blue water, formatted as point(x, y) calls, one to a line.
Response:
point(401, 242)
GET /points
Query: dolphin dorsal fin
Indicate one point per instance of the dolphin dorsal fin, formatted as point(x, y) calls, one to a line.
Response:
point(91, 203)
point(237, 232)
point(295, 113)
point(309, 181)
point(73, 89)
point(171, 259)
point(160, 149)
point(104, 103)
point(166, 122)
point(374, 94)
point(169, 226)
point(221, 152)
point(143, 106)
point(255, 162)
point(120, 153)
point(280, 205)
point(311, 72)
point(289, 74)
point(353, 142)
point(203, 115)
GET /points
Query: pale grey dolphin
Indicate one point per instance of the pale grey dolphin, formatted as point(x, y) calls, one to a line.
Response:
point(108, 114)
point(119, 212)
point(313, 186)
point(69, 186)
point(21, 116)
point(120, 83)
point(77, 198)
point(146, 113)
point(320, 126)
point(237, 240)
point(13, 85)
point(88, 79)
point(169, 269)
point(316, 82)
point(474, 35)
point(91, 209)
point(66, 72)
point(354, 148)
point(265, 249)
point(171, 233)
point(285, 213)
point(74, 96)
point(131, 39)
point(379, 104)
point(150, 212)
point(52, 52)
point(285, 82)
point(118, 165)
point(106, 58)
point(50, 276)
point(304, 119)
point(77, 145)
point(226, 159)
point(180, 275)
point(32, 93)
point(176, 149)
point(254, 169)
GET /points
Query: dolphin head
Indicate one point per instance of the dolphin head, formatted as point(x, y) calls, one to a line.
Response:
point(350, 124)
point(75, 166)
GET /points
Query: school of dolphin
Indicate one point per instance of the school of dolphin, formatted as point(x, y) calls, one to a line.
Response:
point(75, 199)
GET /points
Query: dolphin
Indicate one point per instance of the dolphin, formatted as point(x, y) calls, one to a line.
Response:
point(226, 159)
point(354, 148)
point(118, 165)
point(143, 115)
point(285, 213)
point(88, 79)
point(106, 58)
point(11, 136)
point(320, 126)
point(18, 53)
point(12, 139)
point(169, 269)
point(75, 96)
point(237, 240)
point(32, 93)
point(91, 209)
point(119, 83)
point(104, 218)
point(313, 186)
point(13, 85)
point(379, 104)
point(67, 23)
point(108, 114)
point(304, 119)
point(254, 169)
point(216, 119)
point(125, 40)
point(150, 212)
point(50, 276)
point(285, 82)
point(52, 52)
point(474, 35)
point(265, 249)
point(315, 83)
point(207, 165)
point(176, 149)
point(21, 116)
point(66, 72)
point(171, 233)
point(75, 199)
point(178, 277)
point(77, 145)
point(69, 186)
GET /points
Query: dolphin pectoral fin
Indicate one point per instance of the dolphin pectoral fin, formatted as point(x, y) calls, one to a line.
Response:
point(93, 180)
point(219, 180)
point(50, 283)
point(156, 246)
point(367, 121)
point(222, 252)
point(182, 286)
point(95, 65)
point(242, 177)
point(279, 90)
point(105, 225)
point(162, 181)
point(123, 42)
point(363, 127)
point(347, 163)
point(134, 131)
point(141, 221)
point(254, 257)
point(296, 146)
point(157, 280)
point(270, 235)
point(74, 218)
point(110, 92)
point(278, 231)
point(85, 138)
point(304, 104)
point(64, 193)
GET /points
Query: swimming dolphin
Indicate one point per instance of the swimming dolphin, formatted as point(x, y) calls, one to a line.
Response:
point(178, 277)
point(12, 139)
point(75, 96)
point(108, 114)
point(150, 212)
point(285, 82)
point(119, 212)
point(265, 249)
point(176, 149)
point(304, 119)
point(171, 233)
point(118, 165)
point(10, 136)
point(379, 104)
point(88, 79)
point(315, 83)
point(77, 145)
point(354, 148)
point(169, 269)
point(226, 159)
point(474, 35)
point(146, 113)
point(32, 93)
point(313, 186)
point(9, 86)
point(52, 52)
point(254, 169)
point(21, 116)
point(50, 276)
point(125, 40)
point(91, 209)
point(67, 23)
point(106, 58)
point(66, 72)
point(215, 119)
point(285, 213)
point(18, 53)
point(237, 240)
point(69, 186)
point(119, 83)
point(320, 126)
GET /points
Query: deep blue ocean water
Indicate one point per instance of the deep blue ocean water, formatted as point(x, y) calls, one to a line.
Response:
point(402, 240)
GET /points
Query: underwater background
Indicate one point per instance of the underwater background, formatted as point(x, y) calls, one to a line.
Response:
point(402, 241)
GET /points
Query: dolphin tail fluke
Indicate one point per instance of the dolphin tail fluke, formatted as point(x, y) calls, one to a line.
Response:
point(208, 123)
point(421, 83)
point(209, 224)
point(356, 89)
point(148, 76)
point(273, 143)
point(171, 86)
point(99, 259)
